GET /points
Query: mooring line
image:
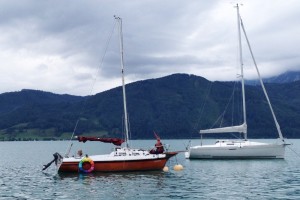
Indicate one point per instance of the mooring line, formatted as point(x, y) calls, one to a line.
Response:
point(294, 151)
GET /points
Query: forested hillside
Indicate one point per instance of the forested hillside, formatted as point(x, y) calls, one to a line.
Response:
point(175, 106)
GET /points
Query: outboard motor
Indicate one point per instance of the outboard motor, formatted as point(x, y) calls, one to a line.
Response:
point(57, 160)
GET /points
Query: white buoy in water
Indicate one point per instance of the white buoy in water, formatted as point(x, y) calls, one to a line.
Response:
point(178, 167)
point(166, 169)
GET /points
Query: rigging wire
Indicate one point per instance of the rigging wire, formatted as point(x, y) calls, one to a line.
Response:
point(129, 130)
point(123, 127)
point(232, 109)
point(222, 116)
point(226, 107)
point(91, 89)
point(261, 82)
point(294, 151)
point(201, 111)
point(203, 105)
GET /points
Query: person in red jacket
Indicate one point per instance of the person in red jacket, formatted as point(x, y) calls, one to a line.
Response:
point(159, 148)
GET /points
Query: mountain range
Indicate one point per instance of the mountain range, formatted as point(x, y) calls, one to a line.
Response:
point(287, 77)
point(175, 106)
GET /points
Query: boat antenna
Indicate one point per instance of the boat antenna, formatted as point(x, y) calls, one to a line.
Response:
point(119, 22)
point(242, 69)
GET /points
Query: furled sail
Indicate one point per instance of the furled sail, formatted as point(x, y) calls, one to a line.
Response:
point(115, 141)
point(240, 129)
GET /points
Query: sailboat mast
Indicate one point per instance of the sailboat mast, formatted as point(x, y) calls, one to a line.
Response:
point(242, 69)
point(262, 85)
point(119, 21)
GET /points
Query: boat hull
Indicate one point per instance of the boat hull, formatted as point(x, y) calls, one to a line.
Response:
point(119, 165)
point(237, 150)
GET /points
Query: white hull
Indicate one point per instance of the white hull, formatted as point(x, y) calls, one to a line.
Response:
point(229, 149)
point(242, 149)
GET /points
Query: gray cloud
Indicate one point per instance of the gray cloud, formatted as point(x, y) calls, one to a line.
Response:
point(58, 45)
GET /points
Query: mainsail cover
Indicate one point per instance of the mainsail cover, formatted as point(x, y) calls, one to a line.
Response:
point(231, 129)
point(115, 141)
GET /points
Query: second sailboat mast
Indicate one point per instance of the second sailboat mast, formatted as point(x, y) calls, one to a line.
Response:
point(242, 70)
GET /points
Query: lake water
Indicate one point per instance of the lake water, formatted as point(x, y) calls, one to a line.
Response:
point(21, 175)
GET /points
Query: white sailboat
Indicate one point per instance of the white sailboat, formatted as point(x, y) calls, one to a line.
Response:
point(240, 149)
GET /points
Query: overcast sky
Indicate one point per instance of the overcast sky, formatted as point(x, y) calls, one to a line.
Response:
point(58, 45)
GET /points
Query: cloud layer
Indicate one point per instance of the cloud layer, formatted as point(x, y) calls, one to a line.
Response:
point(58, 46)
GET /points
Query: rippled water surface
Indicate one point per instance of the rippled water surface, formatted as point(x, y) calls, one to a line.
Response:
point(21, 176)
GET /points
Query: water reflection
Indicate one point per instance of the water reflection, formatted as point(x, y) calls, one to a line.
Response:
point(139, 184)
point(112, 175)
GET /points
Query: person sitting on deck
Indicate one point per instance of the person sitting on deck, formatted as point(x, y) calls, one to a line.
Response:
point(159, 148)
point(79, 153)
